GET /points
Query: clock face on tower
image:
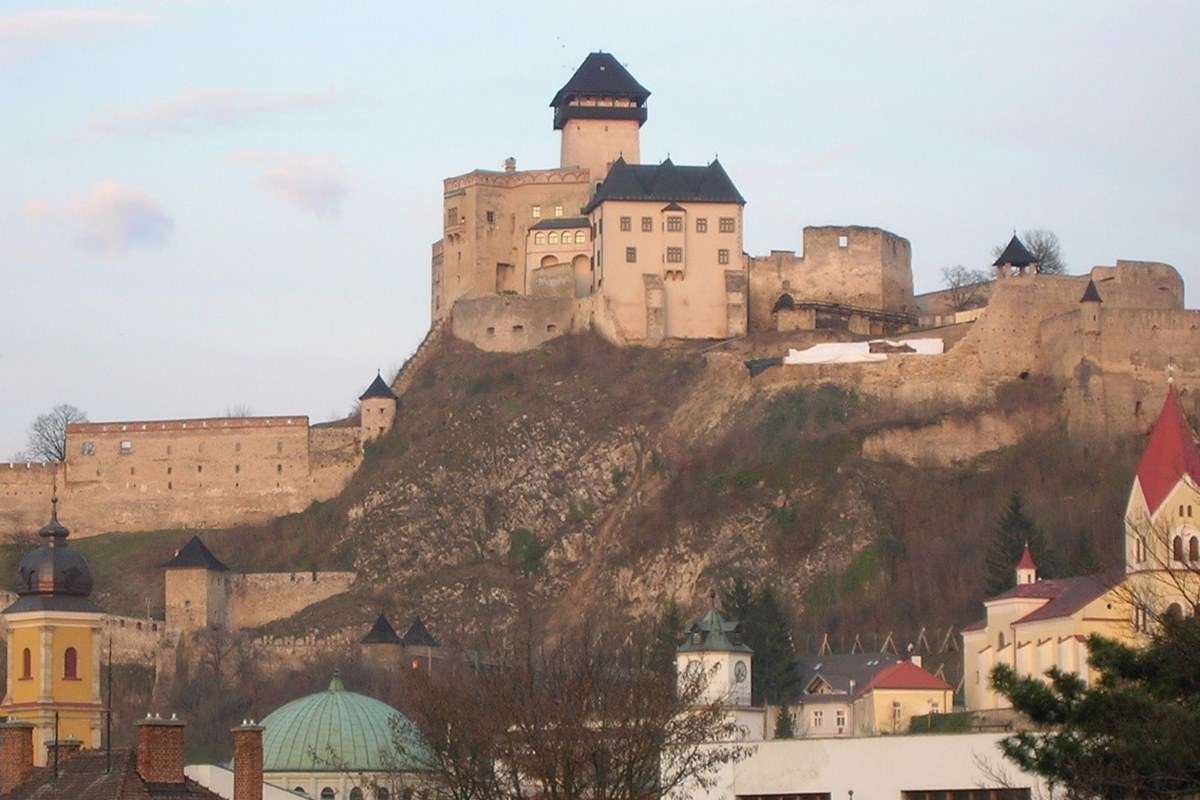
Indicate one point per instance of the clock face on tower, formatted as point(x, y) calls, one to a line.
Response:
point(739, 672)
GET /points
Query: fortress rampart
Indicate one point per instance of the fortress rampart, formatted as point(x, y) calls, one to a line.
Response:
point(255, 599)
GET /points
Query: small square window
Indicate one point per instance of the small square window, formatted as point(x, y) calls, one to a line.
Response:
point(491, 217)
point(674, 224)
point(722, 256)
point(558, 211)
point(89, 448)
point(728, 225)
point(626, 223)
point(647, 224)
point(674, 255)
point(537, 212)
point(126, 447)
point(630, 255)
point(843, 241)
point(701, 225)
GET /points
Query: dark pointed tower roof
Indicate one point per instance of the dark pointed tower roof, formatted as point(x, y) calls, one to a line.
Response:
point(1170, 454)
point(381, 632)
point(600, 75)
point(714, 633)
point(1091, 294)
point(418, 635)
point(1015, 255)
point(194, 555)
point(54, 576)
point(378, 388)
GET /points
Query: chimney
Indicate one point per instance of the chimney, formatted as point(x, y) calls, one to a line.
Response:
point(248, 761)
point(915, 659)
point(160, 750)
point(510, 164)
point(16, 755)
point(66, 748)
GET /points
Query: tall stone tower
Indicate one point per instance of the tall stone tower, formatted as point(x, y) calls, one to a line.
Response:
point(600, 112)
point(196, 588)
point(53, 632)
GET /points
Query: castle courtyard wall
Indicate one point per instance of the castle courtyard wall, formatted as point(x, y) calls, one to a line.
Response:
point(255, 599)
point(507, 324)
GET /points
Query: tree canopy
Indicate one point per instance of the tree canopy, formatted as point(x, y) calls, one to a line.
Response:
point(48, 434)
point(767, 631)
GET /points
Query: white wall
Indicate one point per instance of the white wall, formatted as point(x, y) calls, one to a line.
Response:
point(874, 768)
point(220, 781)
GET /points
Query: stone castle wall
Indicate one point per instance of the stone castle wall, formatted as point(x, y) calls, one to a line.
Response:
point(255, 599)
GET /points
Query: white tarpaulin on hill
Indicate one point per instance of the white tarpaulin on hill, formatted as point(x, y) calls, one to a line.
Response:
point(860, 352)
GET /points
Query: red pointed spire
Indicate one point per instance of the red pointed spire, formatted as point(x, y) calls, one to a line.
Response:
point(1026, 561)
point(1170, 454)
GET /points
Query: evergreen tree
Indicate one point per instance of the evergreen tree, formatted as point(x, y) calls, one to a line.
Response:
point(1014, 531)
point(785, 726)
point(666, 637)
point(775, 673)
point(737, 602)
point(1083, 559)
point(1131, 734)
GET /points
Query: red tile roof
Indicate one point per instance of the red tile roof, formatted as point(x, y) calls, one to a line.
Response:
point(905, 675)
point(1071, 595)
point(1170, 454)
point(1026, 561)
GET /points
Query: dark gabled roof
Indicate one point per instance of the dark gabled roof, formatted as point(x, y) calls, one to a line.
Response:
point(601, 75)
point(378, 388)
point(418, 635)
point(84, 776)
point(554, 223)
point(382, 632)
point(1091, 294)
point(195, 555)
point(1015, 255)
point(666, 182)
point(673, 206)
point(839, 671)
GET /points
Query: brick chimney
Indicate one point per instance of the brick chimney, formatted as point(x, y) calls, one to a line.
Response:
point(248, 761)
point(16, 755)
point(160, 750)
point(66, 748)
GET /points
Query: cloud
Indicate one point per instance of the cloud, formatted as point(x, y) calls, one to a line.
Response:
point(26, 32)
point(194, 111)
point(316, 184)
point(110, 219)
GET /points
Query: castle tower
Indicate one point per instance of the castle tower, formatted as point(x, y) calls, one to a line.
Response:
point(196, 590)
point(600, 112)
point(1015, 257)
point(1026, 568)
point(713, 652)
point(53, 632)
point(1089, 309)
point(377, 409)
point(381, 646)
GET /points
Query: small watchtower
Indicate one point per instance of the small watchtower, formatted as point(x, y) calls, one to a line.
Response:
point(1026, 568)
point(195, 588)
point(377, 409)
point(600, 112)
point(1015, 260)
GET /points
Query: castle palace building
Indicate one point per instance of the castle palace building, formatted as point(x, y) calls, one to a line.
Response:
point(1039, 624)
point(639, 253)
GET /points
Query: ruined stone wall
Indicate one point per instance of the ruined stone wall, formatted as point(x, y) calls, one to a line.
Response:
point(849, 265)
point(513, 324)
point(255, 599)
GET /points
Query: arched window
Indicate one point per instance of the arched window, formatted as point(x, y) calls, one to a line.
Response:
point(539, 238)
point(1177, 548)
point(382, 793)
point(554, 238)
point(71, 664)
point(299, 790)
point(356, 794)
point(26, 664)
point(1193, 549)
point(580, 237)
point(327, 794)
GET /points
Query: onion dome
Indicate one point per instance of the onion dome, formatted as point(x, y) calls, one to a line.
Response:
point(54, 577)
point(340, 731)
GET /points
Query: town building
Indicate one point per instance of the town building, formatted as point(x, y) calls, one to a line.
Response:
point(1039, 624)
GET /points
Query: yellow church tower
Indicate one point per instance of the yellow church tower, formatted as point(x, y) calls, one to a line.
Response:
point(53, 632)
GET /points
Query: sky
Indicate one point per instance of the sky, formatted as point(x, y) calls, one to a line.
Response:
point(210, 204)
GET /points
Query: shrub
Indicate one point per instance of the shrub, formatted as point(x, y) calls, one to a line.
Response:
point(525, 551)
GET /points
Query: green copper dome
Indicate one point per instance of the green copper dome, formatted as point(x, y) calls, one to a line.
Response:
point(337, 731)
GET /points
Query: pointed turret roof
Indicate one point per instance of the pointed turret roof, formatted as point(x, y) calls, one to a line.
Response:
point(195, 555)
point(1091, 294)
point(1015, 255)
point(381, 632)
point(418, 635)
point(1026, 561)
point(713, 632)
point(601, 75)
point(378, 388)
point(1170, 454)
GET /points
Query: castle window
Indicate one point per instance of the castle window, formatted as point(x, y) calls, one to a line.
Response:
point(491, 331)
point(722, 256)
point(626, 223)
point(674, 255)
point(1193, 549)
point(551, 328)
point(237, 468)
point(537, 212)
point(89, 448)
point(728, 225)
point(674, 224)
point(818, 718)
point(843, 241)
point(1177, 548)
point(647, 224)
point(841, 720)
point(452, 216)
point(491, 217)
point(1000, 640)
point(279, 447)
point(126, 447)
point(169, 470)
point(237, 447)
point(539, 238)
point(26, 665)
point(580, 237)
point(279, 469)
point(554, 238)
point(170, 449)
point(131, 470)
point(701, 224)
point(518, 329)
point(71, 664)
point(558, 211)
point(630, 255)
point(170, 485)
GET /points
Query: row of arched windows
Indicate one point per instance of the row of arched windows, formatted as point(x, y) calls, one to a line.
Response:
point(1193, 549)
point(70, 669)
point(327, 793)
point(580, 237)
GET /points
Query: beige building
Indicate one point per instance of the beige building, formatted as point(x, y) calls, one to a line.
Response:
point(1039, 624)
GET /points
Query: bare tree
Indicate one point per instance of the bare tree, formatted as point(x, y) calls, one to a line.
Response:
point(1044, 246)
point(967, 288)
point(238, 410)
point(48, 434)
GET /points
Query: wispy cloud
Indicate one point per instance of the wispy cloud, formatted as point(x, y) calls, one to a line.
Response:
point(203, 110)
point(310, 183)
point(109, 219)
point(28, 32)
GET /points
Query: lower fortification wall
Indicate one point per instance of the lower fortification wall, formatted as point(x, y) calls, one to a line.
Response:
point(256, 599)
point(25, 491)
point(512, 324)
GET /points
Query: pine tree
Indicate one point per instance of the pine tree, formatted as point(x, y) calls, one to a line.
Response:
point(1083, 559)
point(1014, 531)
point(666, 638)
point(737, 602)
point(775, 674)
point(785, 726)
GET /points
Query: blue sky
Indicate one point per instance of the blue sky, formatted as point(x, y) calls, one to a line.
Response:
point(205, 204)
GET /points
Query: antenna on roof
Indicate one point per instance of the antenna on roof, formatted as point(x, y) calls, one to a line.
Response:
point(1170, 371)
